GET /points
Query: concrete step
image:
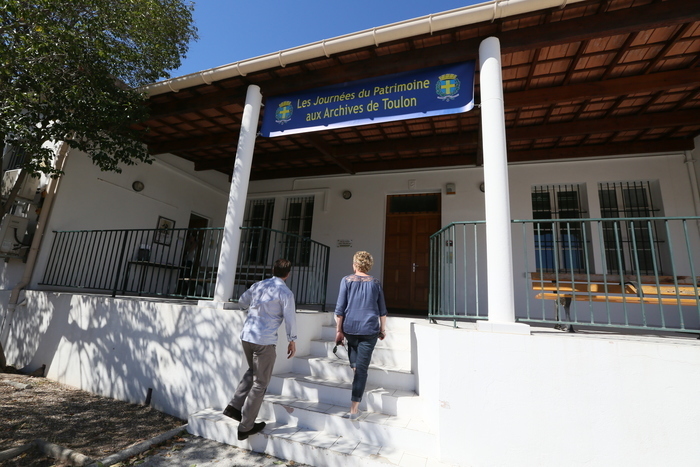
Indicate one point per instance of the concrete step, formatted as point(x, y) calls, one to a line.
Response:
point(399, 339)
point(381, 356)
point(408, 432)
point(393, 323)
point(308, 445)
point(338, 369)
point(387, 400)
point(397, 324)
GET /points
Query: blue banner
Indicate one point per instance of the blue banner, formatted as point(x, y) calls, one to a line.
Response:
point(432, 91)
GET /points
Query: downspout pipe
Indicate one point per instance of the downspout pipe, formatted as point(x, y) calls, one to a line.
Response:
point(473, 14)
point(51, 190)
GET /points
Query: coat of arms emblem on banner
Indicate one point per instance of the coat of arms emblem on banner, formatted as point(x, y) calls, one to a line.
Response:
point(284, 111)
point(447, 87)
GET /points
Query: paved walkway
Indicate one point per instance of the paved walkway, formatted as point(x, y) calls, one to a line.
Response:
point(189, 450)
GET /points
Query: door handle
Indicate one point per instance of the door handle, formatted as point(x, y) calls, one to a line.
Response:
point(414, 267)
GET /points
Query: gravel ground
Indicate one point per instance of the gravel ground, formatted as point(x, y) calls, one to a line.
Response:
point(98, 427)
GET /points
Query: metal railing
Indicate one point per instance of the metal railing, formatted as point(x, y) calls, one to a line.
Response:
point(260, 247)
point(152, 262)
point(639, 272)
point(178, 263)
point(457, 271)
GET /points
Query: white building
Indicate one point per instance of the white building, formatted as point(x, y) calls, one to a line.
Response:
point(602, 117)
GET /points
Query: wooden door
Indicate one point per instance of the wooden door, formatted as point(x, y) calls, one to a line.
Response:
point(409, 225)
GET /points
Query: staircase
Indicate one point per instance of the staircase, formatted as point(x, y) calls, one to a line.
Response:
point(304, 409)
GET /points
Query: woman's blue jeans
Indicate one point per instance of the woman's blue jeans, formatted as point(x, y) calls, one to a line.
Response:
point(360, 353)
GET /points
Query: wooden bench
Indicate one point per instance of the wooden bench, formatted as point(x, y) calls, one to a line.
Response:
point(653, 290)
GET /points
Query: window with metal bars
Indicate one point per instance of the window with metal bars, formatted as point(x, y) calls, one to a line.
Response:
point(298, 220)
point(256, 239)
point(630, 246)
point(558, 245)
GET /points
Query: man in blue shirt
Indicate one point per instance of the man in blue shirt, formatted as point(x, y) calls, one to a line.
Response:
point(268, 302)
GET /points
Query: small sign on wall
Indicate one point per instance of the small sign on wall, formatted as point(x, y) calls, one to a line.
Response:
point(344, 244)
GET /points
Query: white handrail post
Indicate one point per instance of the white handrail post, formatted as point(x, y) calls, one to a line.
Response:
point(235, 209)
point(499, 253)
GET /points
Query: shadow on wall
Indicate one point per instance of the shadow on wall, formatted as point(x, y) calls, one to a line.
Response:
point(191, 357)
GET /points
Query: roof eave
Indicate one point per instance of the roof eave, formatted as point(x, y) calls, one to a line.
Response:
point(488, 11)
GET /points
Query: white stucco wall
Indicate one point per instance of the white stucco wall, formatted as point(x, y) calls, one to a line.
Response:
point(493, 399)
point(191, 357)
point(90, 199)
point(555, 399)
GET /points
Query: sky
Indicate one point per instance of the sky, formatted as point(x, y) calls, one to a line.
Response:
point(233, 30)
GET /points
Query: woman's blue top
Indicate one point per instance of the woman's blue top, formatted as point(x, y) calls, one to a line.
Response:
point(360, 303)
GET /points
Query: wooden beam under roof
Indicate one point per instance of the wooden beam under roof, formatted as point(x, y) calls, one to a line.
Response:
point(465, 139)
point(605, 125)
point(599, 150)
point(658, 14)
point(618, 22)
point(469, 159)
point(190, 144)
point(611, 87)
point(346, 150)
point(329, 152)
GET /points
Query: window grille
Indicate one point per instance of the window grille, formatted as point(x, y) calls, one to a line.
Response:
point(259, 213)
point(558, 245)
point(630, 246)
point(256, 242)
point(298, 220)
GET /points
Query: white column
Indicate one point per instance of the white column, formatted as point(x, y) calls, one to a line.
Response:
point(499, 251)
point(237, 196)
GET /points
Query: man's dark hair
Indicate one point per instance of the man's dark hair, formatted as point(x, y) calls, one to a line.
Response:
point(281, 268)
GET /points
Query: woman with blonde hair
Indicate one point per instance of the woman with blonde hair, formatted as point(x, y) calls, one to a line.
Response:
point(360, 315)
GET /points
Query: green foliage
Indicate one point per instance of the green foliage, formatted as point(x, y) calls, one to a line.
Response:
point(69, 71)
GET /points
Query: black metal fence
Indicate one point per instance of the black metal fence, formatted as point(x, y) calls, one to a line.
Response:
point(178, 263)
point(157, 262)
point(260, 247)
